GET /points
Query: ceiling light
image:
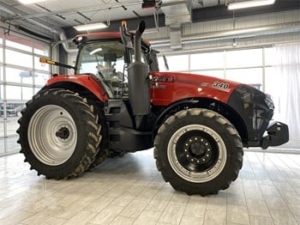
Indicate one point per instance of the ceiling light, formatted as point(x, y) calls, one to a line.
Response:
point(30, 1)
point(91, 26)
point(249, 4)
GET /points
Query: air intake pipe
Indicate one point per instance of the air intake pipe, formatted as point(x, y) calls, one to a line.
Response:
point(138, 72)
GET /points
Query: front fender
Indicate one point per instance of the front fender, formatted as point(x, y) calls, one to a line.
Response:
point(90, 82)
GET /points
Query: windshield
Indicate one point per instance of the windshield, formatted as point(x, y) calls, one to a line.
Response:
point(105, 58)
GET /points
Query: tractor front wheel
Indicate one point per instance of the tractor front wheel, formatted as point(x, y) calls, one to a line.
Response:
point(198, 151)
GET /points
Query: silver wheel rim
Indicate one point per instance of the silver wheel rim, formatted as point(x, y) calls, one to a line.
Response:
point(200, 176)
point(52, 135)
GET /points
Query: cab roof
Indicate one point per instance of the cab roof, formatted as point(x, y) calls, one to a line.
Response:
point(83, 38)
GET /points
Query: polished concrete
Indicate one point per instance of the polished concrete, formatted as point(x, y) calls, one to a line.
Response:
point(129, 190)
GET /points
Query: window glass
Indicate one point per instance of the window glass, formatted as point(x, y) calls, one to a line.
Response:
point(36, 90)
point(269, 56)
point(40, 66)
point(1, 36)
point(12, 144)
point(12, 114)
point(2, 149)
point(41, 78)
point(178, 62)
point(207, 61)
point(27, 93)
point(106, 58)
point(18, 93)
point(1, 55)
point(246, 76)
point(19, 43)
point(271, 88)
point(18, 59)
point(1, 74)
point(244, 58)
point(1, 92)
point(41, 49)
point(19, 76)
point(211, 73)
point(1, 133)
point(269, 79)
point(161, 64)
point(13, 92)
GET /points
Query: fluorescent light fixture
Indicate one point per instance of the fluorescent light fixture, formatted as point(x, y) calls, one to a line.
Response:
point(91, 26)
point(249, 4)
point(25, 2)
point(95, 50)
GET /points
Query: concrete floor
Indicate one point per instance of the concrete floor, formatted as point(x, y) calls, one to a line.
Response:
point(130, 190)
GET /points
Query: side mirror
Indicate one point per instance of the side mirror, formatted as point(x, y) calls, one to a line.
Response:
point(166, 62)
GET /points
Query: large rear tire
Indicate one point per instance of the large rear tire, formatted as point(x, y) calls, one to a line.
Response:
point(59, 134)
point(103, 148)
point(198, 151)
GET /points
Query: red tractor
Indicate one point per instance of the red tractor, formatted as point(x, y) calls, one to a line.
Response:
point(119, 102)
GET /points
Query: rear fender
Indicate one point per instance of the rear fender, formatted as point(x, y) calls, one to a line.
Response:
point(90, 82)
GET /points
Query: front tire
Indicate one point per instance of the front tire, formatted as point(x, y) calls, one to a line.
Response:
point(198, 151)
point(59, 134)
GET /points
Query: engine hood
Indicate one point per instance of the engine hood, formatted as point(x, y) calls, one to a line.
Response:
point(173, 85)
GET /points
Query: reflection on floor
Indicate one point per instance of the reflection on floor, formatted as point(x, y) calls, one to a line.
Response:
point(129, 190)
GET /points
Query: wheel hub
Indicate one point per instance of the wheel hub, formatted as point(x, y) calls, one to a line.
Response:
point(63, 133)
point(197, 150)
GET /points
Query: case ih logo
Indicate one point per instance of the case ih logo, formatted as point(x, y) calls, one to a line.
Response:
point(155, 81)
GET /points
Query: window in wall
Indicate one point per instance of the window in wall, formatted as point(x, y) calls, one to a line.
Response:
point(1, 36)
point(162, 64)
point(11, 145)
point(269, 80)
point(213, 60)
point(18, 93)
point(212, 73)
point(269, 56)
point(1, 74)
point(12, 118)
point(18, 58)
point(13, 92)
point(2, 147)
point(1, 55)
point(23, 72)
point(1, 92)
point(244, 58)
point(27, 93)
point(178, 63)
point(36, 90)
point(246, 76)
point(41, 78)
point(14, 41)
point(19, 76)
point(41, 49)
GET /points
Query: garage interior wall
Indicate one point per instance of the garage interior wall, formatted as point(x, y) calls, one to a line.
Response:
point(223, 42)
point(21, 76)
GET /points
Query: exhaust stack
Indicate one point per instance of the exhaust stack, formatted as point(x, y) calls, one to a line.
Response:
point(139, 91)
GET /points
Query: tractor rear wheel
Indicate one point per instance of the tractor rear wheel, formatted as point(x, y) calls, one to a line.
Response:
point(198, 151)
point(59, 134)
point(103, 148)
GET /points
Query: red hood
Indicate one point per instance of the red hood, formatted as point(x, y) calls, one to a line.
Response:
point(169, 87)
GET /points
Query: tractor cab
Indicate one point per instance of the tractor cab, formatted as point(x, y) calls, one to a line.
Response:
point(107, 57)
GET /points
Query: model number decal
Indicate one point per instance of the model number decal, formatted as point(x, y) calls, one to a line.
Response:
point(221, 85)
